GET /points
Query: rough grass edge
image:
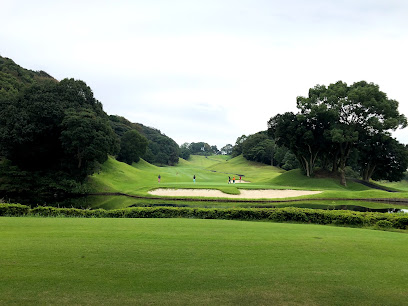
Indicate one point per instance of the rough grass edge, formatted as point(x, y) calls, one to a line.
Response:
point(384, 221)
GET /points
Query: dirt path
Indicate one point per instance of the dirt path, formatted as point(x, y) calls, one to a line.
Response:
point(245, 194)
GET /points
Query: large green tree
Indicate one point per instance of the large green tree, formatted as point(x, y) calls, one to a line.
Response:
point(55, 132)
point(86, 138)
point(351, 111)
point(303, 134)
point(258, 147)
point(132, 147)
point(185, 151)
point(381, 157)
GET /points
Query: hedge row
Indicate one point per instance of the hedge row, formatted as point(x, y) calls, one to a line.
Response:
point(287, 214)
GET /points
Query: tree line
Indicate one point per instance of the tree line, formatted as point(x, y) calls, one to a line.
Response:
point(54, 134)
point(197, 148)
point(339, 130)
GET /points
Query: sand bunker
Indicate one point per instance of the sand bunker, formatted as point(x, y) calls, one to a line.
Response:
point(246, 194)
point(240, 182)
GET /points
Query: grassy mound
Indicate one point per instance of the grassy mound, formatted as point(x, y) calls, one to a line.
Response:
point(295, 178)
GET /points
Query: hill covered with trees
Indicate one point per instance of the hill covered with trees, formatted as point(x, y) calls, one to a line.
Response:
point(53, 134)
point(161, 149)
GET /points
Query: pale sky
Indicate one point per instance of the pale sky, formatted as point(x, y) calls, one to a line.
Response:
point(210, 70)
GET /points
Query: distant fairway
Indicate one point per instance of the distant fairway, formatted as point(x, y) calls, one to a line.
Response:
point(198, 262)
point(212, 173)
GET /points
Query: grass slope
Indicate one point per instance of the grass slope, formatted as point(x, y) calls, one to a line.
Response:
point(402, 185)
point(213, 172)
point(198, 262)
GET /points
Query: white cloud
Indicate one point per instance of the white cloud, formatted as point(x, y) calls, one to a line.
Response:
point(232, 64)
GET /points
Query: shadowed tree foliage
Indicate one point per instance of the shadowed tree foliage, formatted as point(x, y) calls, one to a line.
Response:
point(381, 157)
point(260, 147)
point(88, 138)
point(161, 149)
point(54, 132)
point(132, 147)
point(185, 151)
point(302, 135)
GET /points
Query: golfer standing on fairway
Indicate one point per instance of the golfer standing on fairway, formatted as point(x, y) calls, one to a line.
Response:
point(194, 178)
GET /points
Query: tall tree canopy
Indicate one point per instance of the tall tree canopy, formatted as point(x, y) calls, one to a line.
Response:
point(132, 147)
point(333, 120)
point(51, 127)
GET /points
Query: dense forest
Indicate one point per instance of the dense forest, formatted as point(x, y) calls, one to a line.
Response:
point(54, 134)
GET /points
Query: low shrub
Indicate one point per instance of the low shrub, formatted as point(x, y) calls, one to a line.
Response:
point(401, 222)
point(13, 209)
point(384, 224)
point(46, 211)
point(287, 214)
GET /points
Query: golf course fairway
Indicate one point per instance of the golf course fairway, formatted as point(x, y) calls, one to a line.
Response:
point(198, 262)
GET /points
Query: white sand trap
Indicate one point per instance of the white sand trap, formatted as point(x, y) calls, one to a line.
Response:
point(245, 194)
point(240, 182)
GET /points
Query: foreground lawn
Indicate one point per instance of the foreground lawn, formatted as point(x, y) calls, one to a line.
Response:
point(204, 262)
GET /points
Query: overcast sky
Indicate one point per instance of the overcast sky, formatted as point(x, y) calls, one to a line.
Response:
point(210, 70)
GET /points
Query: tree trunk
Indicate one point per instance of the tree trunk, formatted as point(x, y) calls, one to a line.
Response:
point(343, 177)
point(272, 154)
point(306, 166)
point(335, 166)
point(79, 156)
point(365, 173)
point(368, 172)
point(344, 153)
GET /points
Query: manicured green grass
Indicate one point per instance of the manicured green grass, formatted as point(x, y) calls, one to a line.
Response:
point(212, 173)
point(402, 185)
point(198, 262)
point(294, 178)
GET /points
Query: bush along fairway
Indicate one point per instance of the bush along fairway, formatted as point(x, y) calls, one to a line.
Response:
point(287, 214)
